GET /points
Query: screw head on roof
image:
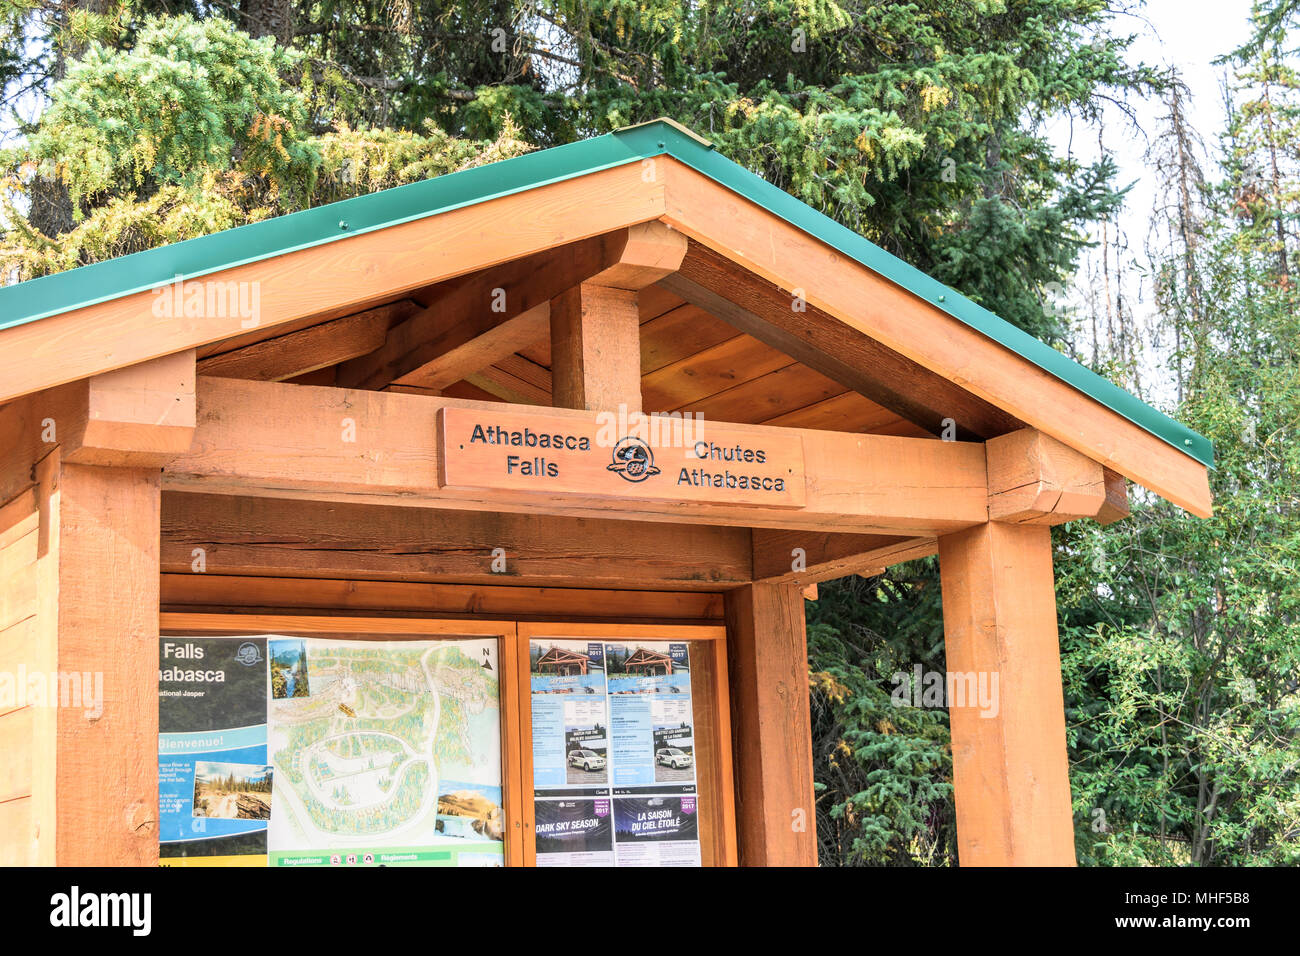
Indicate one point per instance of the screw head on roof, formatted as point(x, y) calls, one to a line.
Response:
point(942, 297)
point(1187, 442)
point(343, 223)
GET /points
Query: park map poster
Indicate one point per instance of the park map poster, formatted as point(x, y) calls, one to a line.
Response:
point(614, 780)
point(325, 752)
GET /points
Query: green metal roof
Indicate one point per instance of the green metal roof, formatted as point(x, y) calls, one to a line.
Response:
point(65, 291)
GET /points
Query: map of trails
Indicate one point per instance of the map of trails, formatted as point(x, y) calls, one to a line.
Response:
point(385, 753)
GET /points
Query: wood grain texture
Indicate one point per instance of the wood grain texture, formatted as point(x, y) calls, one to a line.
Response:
point(210, 592)
point(847, 412)
point(265, 536)
point(310, 349)
point(1115, 507)
point(769, 396)
point(651, 251)
point(464, 354)
point(678, 334)
point(517, 453)
point(360, 272)
point(107, 764)
point(476, 305)
point(1010, 767)
point(596, 349)
point(923, 334)
point(139, 416)
point(22, 725)
point(843, 354)
point(1035, 479)
point(277, 440)
point(776, 818)
point(829, 555)
point(516, 380)
point(706, 373)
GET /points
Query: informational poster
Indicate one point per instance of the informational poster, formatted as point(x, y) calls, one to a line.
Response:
point(371, 753)
point(214, 779)
point(613, 753)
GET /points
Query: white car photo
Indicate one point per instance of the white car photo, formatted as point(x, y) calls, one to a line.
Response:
point(672, 757)
point(586, 759)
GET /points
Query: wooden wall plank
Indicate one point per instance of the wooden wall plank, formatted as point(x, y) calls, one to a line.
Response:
point(17, 739)
point(706, 373)
point(18, 596)
point(214, 592)
point(20, 652)
point(265, 536)
point(17, 833)
point(679, 334)
point(767, 396)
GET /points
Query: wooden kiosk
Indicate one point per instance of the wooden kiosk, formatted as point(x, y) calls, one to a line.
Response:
point(331, 422)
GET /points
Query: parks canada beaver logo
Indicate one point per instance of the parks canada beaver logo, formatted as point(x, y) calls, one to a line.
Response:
point(633, 459)
point(248, 654)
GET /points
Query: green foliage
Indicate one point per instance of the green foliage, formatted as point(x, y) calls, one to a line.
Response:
point(1181, 637)
point(884, 772)
point(185, 99)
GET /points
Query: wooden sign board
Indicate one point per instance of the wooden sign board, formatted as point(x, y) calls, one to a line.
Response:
point(654, 460)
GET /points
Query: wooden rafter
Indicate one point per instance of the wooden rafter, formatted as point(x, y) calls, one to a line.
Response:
point(856, 361)
point(494, 313)
point(308, 350)
point(803, 557)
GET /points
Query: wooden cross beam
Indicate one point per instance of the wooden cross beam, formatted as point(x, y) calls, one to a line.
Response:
point(270, 439)
point(287, 538)
point(139, 416)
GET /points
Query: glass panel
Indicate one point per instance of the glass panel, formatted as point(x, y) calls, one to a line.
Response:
point(614, 752)
point(345, 750)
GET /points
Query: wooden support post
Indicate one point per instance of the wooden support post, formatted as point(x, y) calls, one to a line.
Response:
point(596, 326)
point(1010, 767)
point(776, 818)
point(89, 636)
point(596, 349)
point(106, 763)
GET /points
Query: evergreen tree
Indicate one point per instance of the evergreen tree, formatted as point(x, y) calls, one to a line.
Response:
point(1181, 638)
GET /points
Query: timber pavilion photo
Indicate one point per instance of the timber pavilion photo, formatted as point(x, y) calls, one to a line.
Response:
point(269, 431)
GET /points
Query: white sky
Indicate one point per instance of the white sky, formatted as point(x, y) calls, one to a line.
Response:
point(1188, 35)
